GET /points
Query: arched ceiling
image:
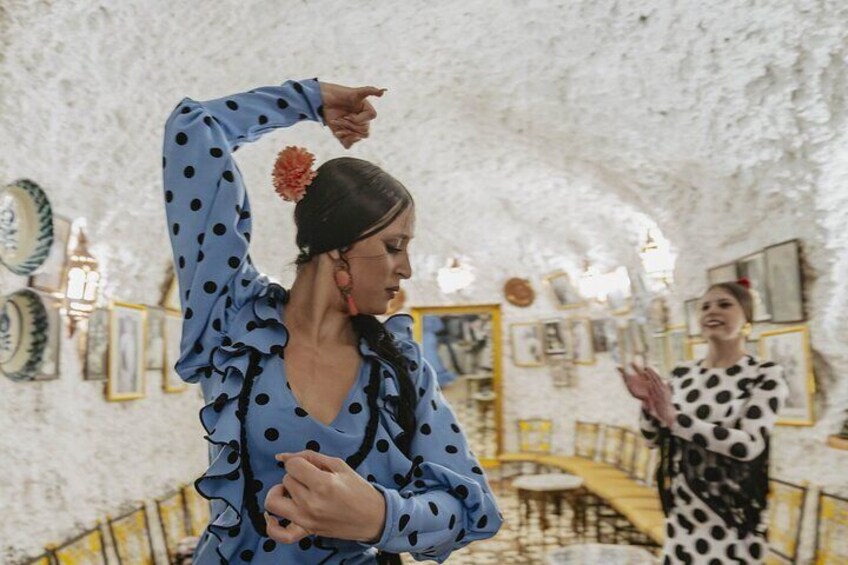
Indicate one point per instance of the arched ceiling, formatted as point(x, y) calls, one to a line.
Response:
point(532, 134)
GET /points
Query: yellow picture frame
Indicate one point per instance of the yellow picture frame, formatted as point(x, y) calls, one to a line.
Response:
point(801, 379)
point(115, 389)
point(171, 381)
point(695, 349)
point(587, 336)
point(493, 310)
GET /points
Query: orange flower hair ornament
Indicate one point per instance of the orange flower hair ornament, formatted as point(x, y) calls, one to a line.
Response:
point(293, 173)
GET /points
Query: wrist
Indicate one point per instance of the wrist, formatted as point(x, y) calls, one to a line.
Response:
point(375, 526)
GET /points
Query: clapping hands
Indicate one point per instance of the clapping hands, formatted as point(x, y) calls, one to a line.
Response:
point(646, 385)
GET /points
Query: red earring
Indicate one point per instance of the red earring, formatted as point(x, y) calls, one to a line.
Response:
point(344, 281)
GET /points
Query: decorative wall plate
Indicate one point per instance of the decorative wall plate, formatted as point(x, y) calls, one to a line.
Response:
point(26, 226)
point(24, 324)
point(518, 292)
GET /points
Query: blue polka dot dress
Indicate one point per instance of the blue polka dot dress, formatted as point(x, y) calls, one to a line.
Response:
point(730, 412)
point(233, 345)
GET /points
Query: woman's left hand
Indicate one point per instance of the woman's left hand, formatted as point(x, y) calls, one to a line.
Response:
point(322, 495)
point(659, 398)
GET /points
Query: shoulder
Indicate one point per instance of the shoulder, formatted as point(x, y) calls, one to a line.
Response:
point(400, 328)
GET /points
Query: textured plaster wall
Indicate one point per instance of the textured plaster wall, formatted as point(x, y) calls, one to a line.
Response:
point(533, 135)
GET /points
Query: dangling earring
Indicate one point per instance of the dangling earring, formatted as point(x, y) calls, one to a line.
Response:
point(746, 329)
point(344, 282)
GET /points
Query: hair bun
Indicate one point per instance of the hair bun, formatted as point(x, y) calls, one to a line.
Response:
point(744, 281)
point(293, 173)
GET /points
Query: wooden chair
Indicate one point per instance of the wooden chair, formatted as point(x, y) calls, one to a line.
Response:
point(172, 518)
point(831, 530)
point(43, 559)
point(534, 440)
point(785, 516)
point(85, 549)
point(131, 537)
point(197, 510)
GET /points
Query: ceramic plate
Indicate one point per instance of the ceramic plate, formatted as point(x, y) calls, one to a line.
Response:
point(26, 226)
point(24, 328)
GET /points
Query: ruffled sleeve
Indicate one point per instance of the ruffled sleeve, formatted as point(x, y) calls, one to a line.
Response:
point(448, 504)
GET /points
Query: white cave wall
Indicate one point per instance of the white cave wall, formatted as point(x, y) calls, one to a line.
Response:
point(533, 134)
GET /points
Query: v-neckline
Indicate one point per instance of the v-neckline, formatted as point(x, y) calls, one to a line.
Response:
point(351, 393)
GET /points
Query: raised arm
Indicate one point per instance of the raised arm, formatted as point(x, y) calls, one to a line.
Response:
point(208, 208)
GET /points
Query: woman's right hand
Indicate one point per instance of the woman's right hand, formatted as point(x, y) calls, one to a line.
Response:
point(636, 382)
point(347, 111)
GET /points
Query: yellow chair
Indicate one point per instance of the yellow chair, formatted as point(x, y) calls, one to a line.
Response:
point(172, 517)
point(785, 516)
point(131, 537)
point(585, 451)
point(84, 549)
point(43, 559)
point(831, 530)
point(534, 440)
point(197, 510)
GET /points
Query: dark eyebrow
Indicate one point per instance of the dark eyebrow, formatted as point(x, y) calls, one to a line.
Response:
point(397, 236)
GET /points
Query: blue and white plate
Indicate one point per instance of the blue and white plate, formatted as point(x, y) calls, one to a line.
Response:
point(26, 226)
point(24, 325)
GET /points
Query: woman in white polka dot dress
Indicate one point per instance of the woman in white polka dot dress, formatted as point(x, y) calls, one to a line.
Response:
point(713, 421)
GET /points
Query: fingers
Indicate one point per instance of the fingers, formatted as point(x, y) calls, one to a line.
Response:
point(365, 91)
point(283, 530)
point(346, 124)
point(366, 114)
point(319, 460)
point(299, 492)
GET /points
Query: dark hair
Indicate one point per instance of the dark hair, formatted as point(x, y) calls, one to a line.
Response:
point(349, 200)
point(742, 296)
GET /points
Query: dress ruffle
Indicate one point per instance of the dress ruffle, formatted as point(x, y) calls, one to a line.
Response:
point(257, 328)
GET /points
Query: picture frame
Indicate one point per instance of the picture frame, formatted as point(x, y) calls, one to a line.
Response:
point(657, 353)
point(790, 348)
point(525, 340)
point(696, 349)
point(692, 315)
point(50, 276)
point(563, 291)
point(172, 335)
point(97, 346)
point(50, 368)
point(581, 341)
point(753, 267)
point(675, 346)
point(471, 346)
point(600, 334)
point(556, 337)
point(625, 353)
point(126, 379)
point(722, 273)
point(154, 337)
point(785, 281)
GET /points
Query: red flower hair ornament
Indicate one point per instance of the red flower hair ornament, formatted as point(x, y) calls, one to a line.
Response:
point(745, 281)
point(293, 173)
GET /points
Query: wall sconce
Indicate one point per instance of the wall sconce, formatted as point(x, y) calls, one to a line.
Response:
point(454, 277)
point(82, 283)
point(657, 258)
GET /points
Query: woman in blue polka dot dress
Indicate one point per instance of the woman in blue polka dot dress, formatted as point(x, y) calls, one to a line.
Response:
point(331, 440)
point(713, 423)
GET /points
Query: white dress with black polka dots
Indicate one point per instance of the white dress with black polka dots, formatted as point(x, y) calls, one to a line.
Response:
point(233, 345)
point(731, 412)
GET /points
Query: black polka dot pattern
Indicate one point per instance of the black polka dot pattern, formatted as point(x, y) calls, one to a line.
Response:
point(728, 411)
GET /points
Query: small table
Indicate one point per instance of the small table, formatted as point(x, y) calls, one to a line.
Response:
point(592, 553)
point(551, 487)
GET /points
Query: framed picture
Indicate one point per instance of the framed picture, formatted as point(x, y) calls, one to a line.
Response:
point(693, 317)
point(50, 361)
point(785, 281)
point(526, 342)
point(557, 339)
point(50, 276)
point(620, 297)
point(600, 334)
point(722, 273)
point(563, 291)
point(696, 349)
point(154, 339)
point(790, 348)
point(638, 338)
point(656, 353)
point(172, 331)
point(675, 347)
point(753, 267)
point(581, 336)
point(97, 346)
point(470, 345)
point(126, 352)
point(625, 354)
